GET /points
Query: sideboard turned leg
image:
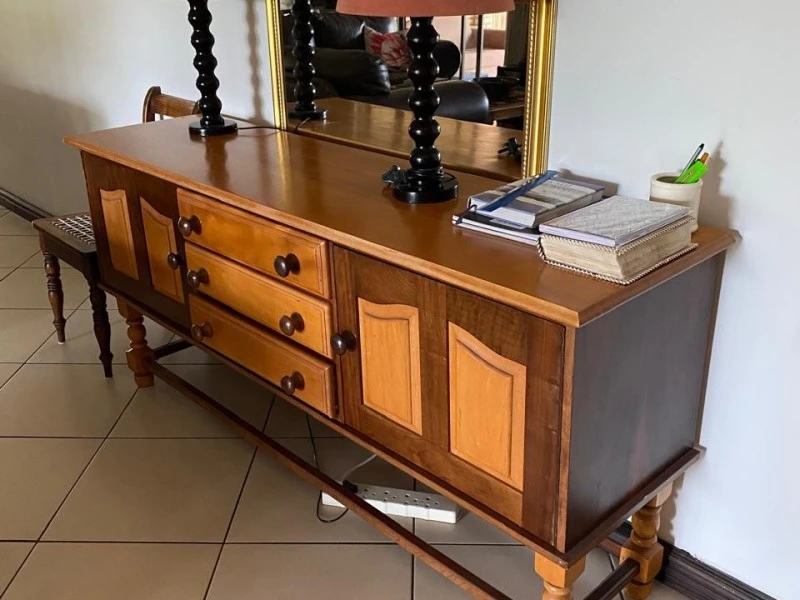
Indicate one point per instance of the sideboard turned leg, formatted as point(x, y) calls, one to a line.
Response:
point(558, 580)
point(643, 546)
point(140, 356)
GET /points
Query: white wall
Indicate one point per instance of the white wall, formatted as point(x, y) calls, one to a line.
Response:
point(70, 66)
point(638, 85)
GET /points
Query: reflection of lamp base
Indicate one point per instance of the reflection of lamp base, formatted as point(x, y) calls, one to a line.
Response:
point(426, 191)
point(225, 127)
point(315, 114)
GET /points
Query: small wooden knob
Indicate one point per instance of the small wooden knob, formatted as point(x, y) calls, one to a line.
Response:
point(174, 261)
point(286, 265)
point(195, 278)
point(291, 383)
point(188, 226)
point(290, 324)
point(202, 331)
point(342, 342)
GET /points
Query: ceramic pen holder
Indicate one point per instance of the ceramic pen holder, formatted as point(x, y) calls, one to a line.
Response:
point(664, 189)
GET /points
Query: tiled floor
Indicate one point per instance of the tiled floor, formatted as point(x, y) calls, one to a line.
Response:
point(108, 492)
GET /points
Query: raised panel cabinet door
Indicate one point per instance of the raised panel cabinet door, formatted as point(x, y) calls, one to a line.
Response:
point(394, 374)
point(161, 243)
point(487, 407)
point(119, 233)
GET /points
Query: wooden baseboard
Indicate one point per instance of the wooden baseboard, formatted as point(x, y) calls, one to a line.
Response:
point(24, 209)
point(692, 577)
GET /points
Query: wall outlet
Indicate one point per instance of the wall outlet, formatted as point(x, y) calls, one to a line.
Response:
point(405, 503)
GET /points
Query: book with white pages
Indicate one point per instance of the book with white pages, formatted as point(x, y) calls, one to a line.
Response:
point(551, 199)
point(497, 227)
point(615, 221)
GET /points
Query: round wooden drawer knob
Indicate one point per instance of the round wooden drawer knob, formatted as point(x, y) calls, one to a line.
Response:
point(174, 261)
point(342, 342)
point(290, 324)
point(201, 331)
point(188, 226)
point(195, 278)
point(286, 265)
point(291, 383)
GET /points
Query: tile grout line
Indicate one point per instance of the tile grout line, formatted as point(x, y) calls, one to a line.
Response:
point(230, 522)
point(19, 568)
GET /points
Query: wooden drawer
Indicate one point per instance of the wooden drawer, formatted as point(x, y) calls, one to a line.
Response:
point(256, 242)
point(263, 353)
point(263, 299)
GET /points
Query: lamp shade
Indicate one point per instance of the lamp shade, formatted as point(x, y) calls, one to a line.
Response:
point(422, 8)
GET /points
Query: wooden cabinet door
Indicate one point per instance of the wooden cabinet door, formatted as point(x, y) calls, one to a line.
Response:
point(394, 381)
point(134, 217)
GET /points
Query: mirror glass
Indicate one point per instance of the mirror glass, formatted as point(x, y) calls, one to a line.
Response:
point(361, 81)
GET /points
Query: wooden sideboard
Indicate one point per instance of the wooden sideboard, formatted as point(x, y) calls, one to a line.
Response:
point(552, 405)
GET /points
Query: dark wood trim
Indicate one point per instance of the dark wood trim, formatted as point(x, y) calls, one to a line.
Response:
point(692, 577)
point(613, 585)
point(21, 207)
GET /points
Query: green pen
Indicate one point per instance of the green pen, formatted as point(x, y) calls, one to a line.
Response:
point(693, 174)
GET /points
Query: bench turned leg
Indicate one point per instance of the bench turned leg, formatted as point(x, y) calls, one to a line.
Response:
point(643, 546)
point(558, 580)
point(102, 328)
point(140, 356)
point(55, 294)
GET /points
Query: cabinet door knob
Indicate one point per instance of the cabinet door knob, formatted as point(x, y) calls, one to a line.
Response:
point(174, 261)
point(195, 278)
point(188, 226)
point(342, 342)
point(201, 331)
point(290, 324)
point(291, 383)
point(286, 265)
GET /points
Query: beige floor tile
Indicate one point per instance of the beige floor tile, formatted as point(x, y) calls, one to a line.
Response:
point(469, 530)
point(11, 224)
point(115, 571)
point(27, 288)
point(3, 211)
point(286, 421)
point(35, 476)
point(155, 491)
point(662, 592)
point(242, 395)
point(16, 249)
point(81, 345)
point(12, 555)
point(162, 411)
point(4, 272)
point(62, 401)
point(7, 370)
point(279, 506)
point(190, 356)
point(508, 568)
point(22, 332)
point(333, 572)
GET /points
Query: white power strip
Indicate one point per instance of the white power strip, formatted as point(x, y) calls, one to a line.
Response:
point(405, 503)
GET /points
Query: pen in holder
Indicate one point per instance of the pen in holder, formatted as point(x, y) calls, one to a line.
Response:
point(664, 189)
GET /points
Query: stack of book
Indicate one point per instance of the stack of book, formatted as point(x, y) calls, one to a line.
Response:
point(619, 239)
point(519, 218)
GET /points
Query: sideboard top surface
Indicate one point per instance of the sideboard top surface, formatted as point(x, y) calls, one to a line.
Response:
point(335, 192)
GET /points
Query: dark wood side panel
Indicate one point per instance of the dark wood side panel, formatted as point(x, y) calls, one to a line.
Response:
point(105, 175)
point(637, 392)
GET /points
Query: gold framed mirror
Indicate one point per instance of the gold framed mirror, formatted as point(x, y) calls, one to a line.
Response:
point(464, 147)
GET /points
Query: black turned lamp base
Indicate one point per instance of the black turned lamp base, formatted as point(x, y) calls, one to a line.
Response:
point(227, 126)
point(426, 191)
point(316, 114)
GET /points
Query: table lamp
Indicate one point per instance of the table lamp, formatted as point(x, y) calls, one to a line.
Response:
point(425, 182)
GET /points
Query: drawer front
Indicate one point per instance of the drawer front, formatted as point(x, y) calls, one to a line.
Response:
point(263, 354)
point(297, 259)
point(303, 318)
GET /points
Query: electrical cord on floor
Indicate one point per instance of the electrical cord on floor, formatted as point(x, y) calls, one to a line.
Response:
point(343, 479)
